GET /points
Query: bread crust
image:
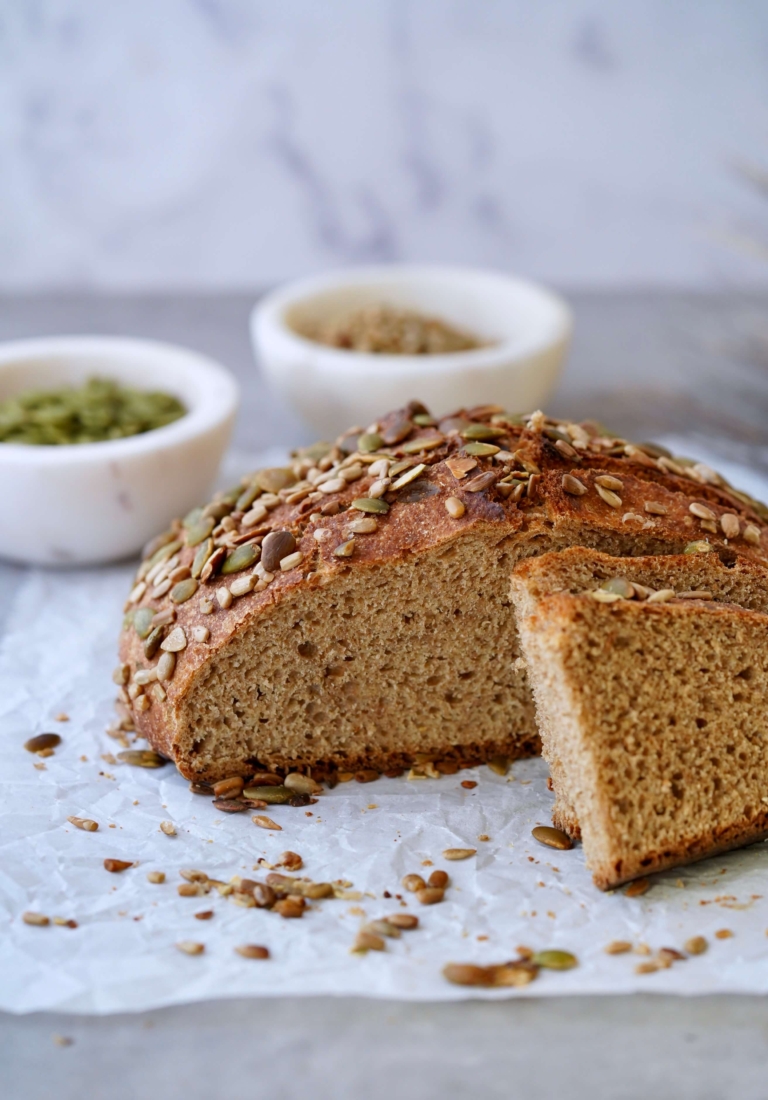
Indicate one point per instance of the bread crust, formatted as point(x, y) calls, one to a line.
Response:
point(417, 522)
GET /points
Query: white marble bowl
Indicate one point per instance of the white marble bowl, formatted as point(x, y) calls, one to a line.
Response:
point(527, 327)
point(97, 502)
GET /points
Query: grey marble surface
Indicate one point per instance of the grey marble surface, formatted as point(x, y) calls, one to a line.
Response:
point(651, 362)
point(219, 143)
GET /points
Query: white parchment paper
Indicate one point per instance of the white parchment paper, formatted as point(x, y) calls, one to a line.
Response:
point(57, 656)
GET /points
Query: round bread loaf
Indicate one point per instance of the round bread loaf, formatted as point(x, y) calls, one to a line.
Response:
point(351, 611)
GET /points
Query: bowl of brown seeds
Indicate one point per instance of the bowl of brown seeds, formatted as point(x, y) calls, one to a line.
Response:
point(343, 346)
point(102, 442)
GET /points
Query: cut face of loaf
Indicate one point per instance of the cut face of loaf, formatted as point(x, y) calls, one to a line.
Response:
point(652, 711)
point(351, 610)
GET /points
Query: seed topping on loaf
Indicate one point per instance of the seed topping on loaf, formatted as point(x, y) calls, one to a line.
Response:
point(384, 489)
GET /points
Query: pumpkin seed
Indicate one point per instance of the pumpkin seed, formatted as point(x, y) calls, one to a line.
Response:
point(620, 586)
point(142, 758)
point(142, 621)
point(499, 765)
point(481, 449)
point(192, 517)
point(637, 888)
point(555, 960)
point(247, 497)
point(482, 432)
point(552, 838)
point(276, 546)
point(42, 742)
point(275, 478)
point(700, 546)
point(368, 504)
point(275, 796)
point(200, 530)
point(164, 553)
point(302, 784)
point(426, 443)
point(240, 558)
point(152, 643)
point(204, 552)
point(369, 441)
point(184, 590)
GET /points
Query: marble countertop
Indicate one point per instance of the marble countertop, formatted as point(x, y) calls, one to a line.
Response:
point(647, 363)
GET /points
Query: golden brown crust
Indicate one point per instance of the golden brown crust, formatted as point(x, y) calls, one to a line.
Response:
point(525, 498)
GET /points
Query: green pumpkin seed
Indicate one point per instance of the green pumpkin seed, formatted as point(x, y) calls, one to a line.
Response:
point(369, 441)
point(275, 478)
point(314, 452)
point(424, 420)
point(200, 530)
point(152, 644)
point(275, 795)
point(142, 621)
point(142, 758)
point(620, 586)
point(247, 497)
point(481, 449)
point(240, 558)
point(701, 546)
point(553, 838)
point(164, 553)
point(369, 504)
point(426, 443)
point(192, 517)
point(204, 552)
point(230, 496)
point(555, 960)
point(184, 590)
point(482, 432)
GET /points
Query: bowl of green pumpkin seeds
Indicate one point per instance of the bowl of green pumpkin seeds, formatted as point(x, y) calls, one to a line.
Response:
point(103, 440)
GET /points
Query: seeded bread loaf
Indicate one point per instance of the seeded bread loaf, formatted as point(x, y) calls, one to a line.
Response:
point(650, 677)
point(352, 610)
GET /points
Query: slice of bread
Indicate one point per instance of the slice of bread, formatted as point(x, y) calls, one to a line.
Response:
point(650, 677)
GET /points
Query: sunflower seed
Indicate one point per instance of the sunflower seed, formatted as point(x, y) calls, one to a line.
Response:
point(572, 485)
point(367, 941)
point(254, 516)
point(654, 508)
point(175, 642)
point(482, 481)
point(365, 526)
point(116, 865)
point(730, 526)
point(430, 895)
point(601, 596)
point(156, 877)
point(231, 805)
point(290, 561)
point(752, 534)
point(696, 945)
point(700, 546)
point(467, 974)
point(438, 879)
point(459, 853)
point(38, 919)
point(383, 928)
point(407, 921)
point(414, 883)
point(610, 498)
point(663, 595)
point(201, 633)
point(243, 585)
point(290, 907)
point(303, 784)
point(223, 598)
point(409, 476)
point(605, 481)
point(213, 564)
point(84, 823)
point(566, 449)
point(455, 507)
point(618, 947)
point(552, 838)
point(266, 823)
point(42, 742)
point(252, 951)
point(637, 888)
point(168, 828)
point(701, 511)
point(190, 947)
point(619, 585)
point(166, 667)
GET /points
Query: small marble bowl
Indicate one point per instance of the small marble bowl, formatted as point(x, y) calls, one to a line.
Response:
point(525, 327)
point(91, 503)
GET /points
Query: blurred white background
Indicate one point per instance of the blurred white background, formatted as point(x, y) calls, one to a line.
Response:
point(209, 144)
